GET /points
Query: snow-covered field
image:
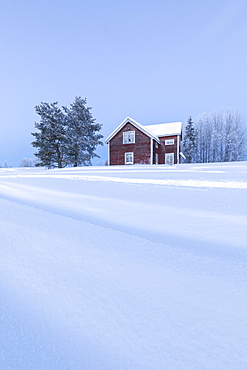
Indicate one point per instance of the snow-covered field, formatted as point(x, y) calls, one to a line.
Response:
point(140, 267)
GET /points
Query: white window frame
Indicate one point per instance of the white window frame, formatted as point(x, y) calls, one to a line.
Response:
point(169, 142)
point(129, 137)
point(129, 158)
point(169, 158)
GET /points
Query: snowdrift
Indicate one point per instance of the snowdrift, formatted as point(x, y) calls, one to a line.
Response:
point(140, 267)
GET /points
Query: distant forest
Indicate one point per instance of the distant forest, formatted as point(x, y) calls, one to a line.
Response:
point(215, 137)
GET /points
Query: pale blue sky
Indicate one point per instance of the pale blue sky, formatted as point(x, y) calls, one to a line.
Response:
point(155, 61)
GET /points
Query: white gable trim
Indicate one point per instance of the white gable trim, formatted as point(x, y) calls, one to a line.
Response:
point(137, 125)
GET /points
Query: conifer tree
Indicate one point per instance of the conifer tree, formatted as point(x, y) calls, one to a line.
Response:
point(66, 136)
point(82, 133)
point(51, 138)
point(189, 141)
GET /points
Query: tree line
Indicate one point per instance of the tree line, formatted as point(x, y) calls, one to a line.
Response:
point(215, 137)
point(66, 135)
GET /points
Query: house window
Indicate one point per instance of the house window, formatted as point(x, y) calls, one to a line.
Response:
point(169, 142)
point(129, 137)
point(169, 158)
point(129, 158)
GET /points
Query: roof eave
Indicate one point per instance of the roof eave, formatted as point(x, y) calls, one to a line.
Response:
point(174, 134)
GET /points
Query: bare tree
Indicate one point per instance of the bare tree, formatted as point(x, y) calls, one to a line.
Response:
point(27, 162)
point(220, 137)
point(5, 165)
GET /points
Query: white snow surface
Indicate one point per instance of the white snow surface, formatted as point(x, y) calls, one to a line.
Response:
point(165, 129)
point(135, 267)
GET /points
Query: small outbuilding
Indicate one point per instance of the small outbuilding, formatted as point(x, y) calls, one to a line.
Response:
point(133, 143)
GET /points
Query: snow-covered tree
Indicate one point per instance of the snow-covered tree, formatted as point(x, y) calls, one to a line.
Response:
point(235, 136)
point(189, 141)
point(82, 133)
point(220, 137)
point(27, 162)
point(5, 165)
point(51, 139)
point(66, 136)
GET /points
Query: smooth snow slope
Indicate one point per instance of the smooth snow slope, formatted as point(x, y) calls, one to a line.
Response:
point(134, 267)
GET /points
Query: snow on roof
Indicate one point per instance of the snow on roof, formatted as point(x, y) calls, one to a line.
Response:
point(165, 129)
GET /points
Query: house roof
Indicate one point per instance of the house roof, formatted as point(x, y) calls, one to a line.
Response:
point(166, 129)
point(153, 131)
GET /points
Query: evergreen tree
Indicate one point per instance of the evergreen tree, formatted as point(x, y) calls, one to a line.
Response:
point(66, 136)
point(82, 133)
point(189, 141)
point(51, 140)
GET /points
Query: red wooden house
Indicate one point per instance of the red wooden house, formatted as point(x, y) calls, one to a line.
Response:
point(133, 143)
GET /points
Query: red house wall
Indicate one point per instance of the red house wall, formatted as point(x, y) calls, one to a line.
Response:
point(141, 147)
point(163, 149)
